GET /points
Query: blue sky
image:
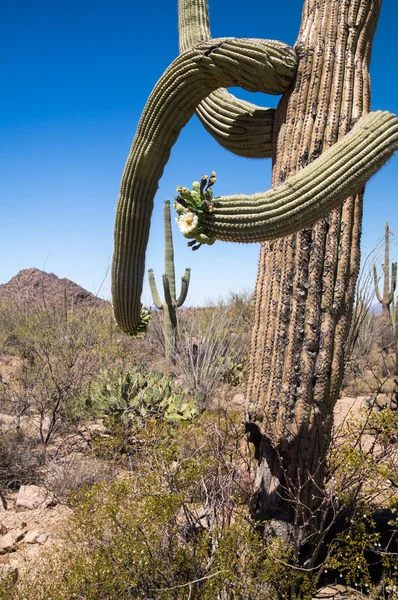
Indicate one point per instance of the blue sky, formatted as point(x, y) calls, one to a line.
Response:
point(75, 77)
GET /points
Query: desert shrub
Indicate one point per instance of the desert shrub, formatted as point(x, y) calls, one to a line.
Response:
point(210, 351)
point(211, 345)
point(177, 527)
point(177, 523)
point(19, 460)
point(57, 357)
point(362, 484)
point(68, 475)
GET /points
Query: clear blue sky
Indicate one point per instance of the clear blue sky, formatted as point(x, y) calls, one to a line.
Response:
point(75, 77)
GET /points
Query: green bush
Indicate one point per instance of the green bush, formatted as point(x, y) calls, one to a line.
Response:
point(175, 527)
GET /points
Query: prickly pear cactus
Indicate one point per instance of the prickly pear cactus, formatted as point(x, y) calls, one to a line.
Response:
point(131, 398)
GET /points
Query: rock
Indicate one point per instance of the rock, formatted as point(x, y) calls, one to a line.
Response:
point(338, 592)
point(4, 559)
point(31, 537)
point(3, 529)
point(42, 538)
point(9, 540)
point(33, 496)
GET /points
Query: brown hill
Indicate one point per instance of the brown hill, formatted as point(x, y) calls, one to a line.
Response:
point(39, 287)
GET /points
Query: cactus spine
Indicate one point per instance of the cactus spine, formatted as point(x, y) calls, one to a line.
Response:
point(306, 281)
point(387, 298)
point(171, 303)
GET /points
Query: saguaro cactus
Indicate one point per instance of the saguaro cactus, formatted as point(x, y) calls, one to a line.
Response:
point(388, 291)
point(171, 303)
point(324, 147)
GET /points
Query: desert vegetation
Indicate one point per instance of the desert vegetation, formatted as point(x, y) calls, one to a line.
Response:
point(151, 461)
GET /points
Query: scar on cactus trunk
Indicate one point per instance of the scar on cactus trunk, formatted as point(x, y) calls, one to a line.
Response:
point(306, 280)
point(171, 303)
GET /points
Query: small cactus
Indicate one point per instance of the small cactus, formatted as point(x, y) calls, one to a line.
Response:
point(131, 398)
point(171, 302)
point(388, 291)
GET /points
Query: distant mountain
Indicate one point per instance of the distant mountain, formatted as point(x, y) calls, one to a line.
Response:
point(39, 287)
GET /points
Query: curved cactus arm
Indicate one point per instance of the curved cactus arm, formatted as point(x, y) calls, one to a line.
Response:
point(376, 284)
point(239, 126)
point(304, 198)
point(393, 282)
point(257, 65)
point(154, 290)
point(168, 299)
point(184, 288)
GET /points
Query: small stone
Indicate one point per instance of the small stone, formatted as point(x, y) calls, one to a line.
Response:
point(33, 496)
point(4, 559)
point(3, 529)
point(9, 540)
point(42, 538)
point(31, 537)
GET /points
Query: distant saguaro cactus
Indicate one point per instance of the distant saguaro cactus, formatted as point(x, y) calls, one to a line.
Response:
point(171, 303)
point(388, 291)
point(394, 318)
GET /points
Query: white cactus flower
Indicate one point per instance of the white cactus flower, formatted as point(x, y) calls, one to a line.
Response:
point(187, 222)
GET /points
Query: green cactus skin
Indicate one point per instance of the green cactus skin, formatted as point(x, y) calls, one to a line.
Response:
point(239, 126)
point(171, 303)
point(310, 194)
point(256, 65)
point(388, 291)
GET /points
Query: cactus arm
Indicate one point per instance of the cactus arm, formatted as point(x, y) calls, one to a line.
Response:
point(257, 65)
point(154, 290)
point(393, 282)
point(169, 251)
point(168, 299)
point(184, 288)
point(376, 284)
point(239, 126)
point(311, 194)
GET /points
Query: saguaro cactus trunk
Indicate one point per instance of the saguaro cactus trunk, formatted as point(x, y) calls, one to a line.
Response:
point(305, 287)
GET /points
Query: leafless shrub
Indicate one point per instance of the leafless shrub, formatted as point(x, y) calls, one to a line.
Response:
point(57, 357)
point(361, 334)
point(19, 462)
point(155, 337)
point(66, 475)
point(207, 352)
